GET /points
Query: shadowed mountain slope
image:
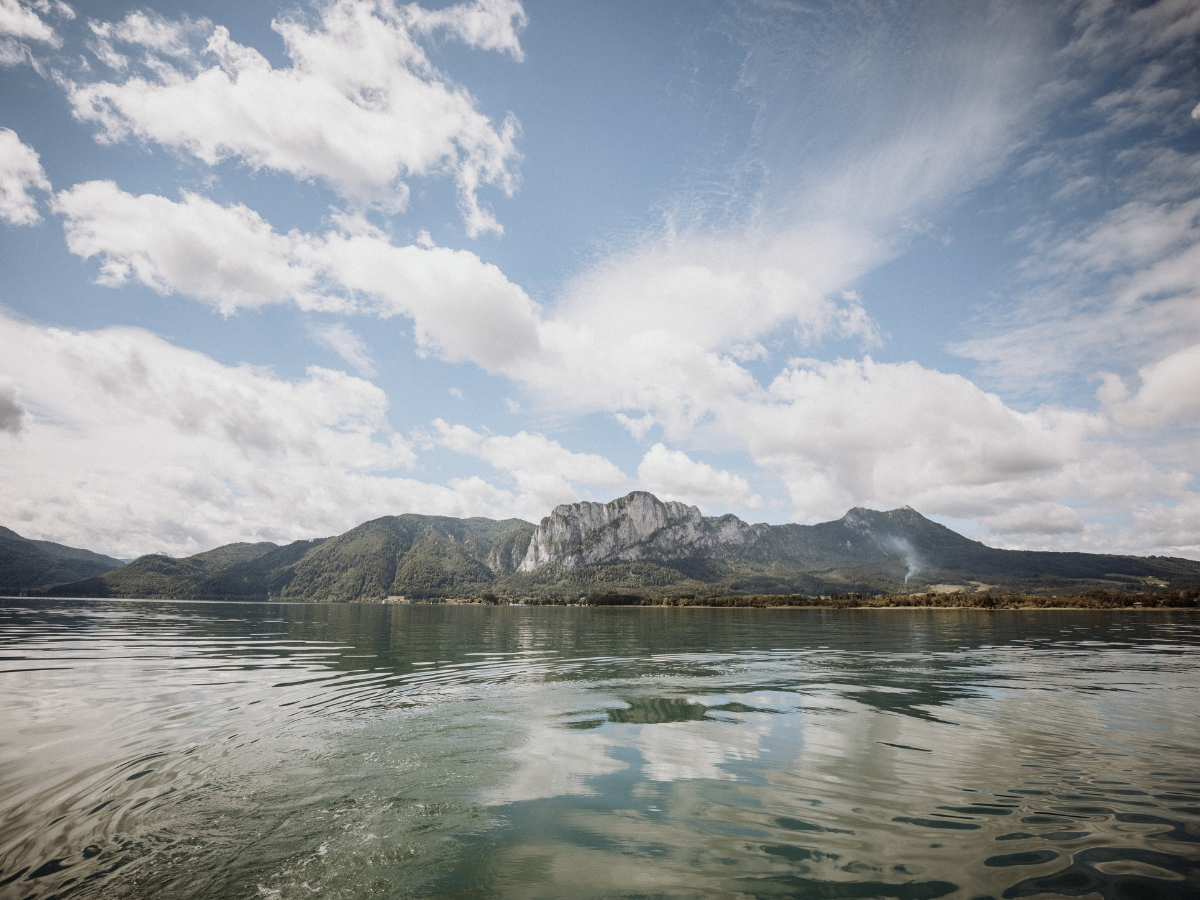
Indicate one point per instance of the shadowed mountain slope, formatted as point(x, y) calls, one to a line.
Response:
point(26, 563)
point(635, 544)
point(410, 555)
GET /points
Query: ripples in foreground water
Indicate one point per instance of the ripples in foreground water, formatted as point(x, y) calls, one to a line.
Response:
point(286, 751)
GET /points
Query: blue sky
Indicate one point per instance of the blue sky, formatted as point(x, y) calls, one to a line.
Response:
point(268, 270)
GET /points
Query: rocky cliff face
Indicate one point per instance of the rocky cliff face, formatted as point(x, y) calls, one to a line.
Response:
point(636, 527)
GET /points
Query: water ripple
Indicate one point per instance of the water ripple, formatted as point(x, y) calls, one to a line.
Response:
point(200, 750)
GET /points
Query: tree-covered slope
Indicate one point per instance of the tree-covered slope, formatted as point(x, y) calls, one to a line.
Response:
point(410, 556)
point(216, 573)
point(28, 564)
point(636, 544)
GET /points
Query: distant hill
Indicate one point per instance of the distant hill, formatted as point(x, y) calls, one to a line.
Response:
point(409, 555)
point(636, 544)
point(27, 564)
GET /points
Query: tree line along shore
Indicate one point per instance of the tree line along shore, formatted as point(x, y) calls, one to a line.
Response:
point(1090, 599)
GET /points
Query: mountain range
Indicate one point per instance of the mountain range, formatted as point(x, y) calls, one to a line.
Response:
point(27, 564)
point(635, 544)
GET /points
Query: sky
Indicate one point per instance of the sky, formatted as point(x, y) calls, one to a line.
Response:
point(272, 269)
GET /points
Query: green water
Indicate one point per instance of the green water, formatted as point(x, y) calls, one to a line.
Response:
point(298, 751)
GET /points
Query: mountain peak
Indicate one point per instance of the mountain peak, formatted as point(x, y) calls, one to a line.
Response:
point(636, 543)
point(630, 528)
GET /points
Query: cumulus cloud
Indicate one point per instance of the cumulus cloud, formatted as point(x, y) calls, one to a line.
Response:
point(842, 433)
point(544, 470)
point(12, 413)
point(361, 107)
point(463, 309)
point(664, 326)
point(671, 317)
point(861, 433)
point(229, 257)
point(1169, 394)
point(669, 324)
point(677, 333)
point(20, 20)
point(20, 171)
point(673, 475)
point(135, 445)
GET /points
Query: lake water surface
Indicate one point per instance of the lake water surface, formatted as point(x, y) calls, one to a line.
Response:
point(152, 750)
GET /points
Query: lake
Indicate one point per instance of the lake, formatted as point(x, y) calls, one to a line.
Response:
point(156, 749)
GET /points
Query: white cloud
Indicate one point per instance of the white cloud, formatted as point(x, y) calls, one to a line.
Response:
point(227, 256)
point(346, 344)
point(463, 309)
point(12, 413)
point(860, 433)
point(835, 434)
point(543, 469)
point(667, 326)
point(1112, 242)
point(13, 53)
point(20, 170)
point(20, 20)
point(638, 427)
point(673, 475)
point(484, 24)
point(850, 433)
point(361, 106)
point(667, 319)
point(1169, 394)
point(147, 30)
point(131, 444)
point(1125, 289)
point(676, 323)
point(676, 333)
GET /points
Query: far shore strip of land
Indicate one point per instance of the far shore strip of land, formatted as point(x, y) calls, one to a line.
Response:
point(1092, 599)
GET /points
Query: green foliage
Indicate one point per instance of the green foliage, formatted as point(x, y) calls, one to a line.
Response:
point(231, 572)
point(31, 565)
point(611, 598)
point(851, 562)
point(1091, 599)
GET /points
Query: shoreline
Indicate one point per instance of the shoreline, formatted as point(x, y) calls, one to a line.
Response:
point(1177, 600)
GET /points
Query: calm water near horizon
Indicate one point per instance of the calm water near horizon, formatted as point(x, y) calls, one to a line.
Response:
point(206, 750)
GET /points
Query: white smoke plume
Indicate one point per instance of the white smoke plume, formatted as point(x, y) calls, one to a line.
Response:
point(904, 548)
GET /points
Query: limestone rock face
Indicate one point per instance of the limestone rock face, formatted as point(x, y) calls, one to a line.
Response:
point(636, 527)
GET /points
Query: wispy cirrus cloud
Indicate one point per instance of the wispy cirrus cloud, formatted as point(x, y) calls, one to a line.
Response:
point(346, 344)
point(1111, 246)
